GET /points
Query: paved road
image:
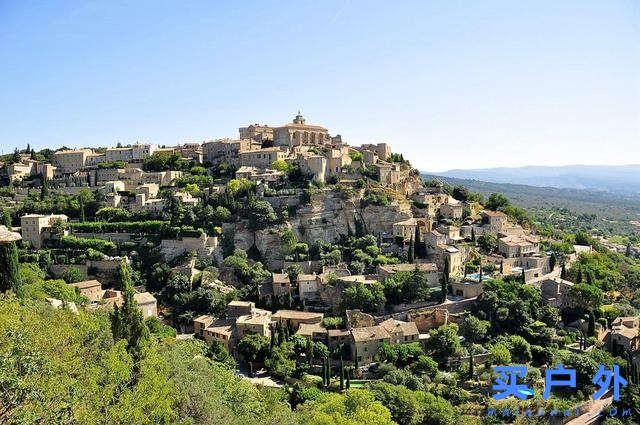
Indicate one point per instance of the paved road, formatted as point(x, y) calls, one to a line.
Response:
point(591, 417)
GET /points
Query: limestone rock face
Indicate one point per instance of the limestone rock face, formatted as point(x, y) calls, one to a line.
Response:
point(326, 217)
point(378, 218)
point(268, 242)
point(331, 214)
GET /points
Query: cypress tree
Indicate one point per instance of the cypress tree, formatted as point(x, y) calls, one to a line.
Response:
point(44, 188)
point(444, 282)
point(592, 323)
point(552, 261)
point(411, 253)
point(6, 218)
point(628, 251)
point(470, 361)
point(341, 373)
point(348, 384)
point(579, 277)
point(563, 271)
point(324, 373)
point(127, 322)
point(355, 360)
point(524, 278)
point(9, 278)
point(501, 267)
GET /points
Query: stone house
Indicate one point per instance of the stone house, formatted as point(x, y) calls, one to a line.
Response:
point(365, 342)
point(309, 286)
point(625, 335)
point(147, 304)
point(70, 161)
point(518, 246)
point(282, 285)
point(227, 150)
point(92, 289)
point(495, 221)
point(222, 330)
point(405, 230)
point(433, 239)
point(36, 228)
point(467, 289)
point(293, 318)
point(338, 337)
point(452, 210)
point(382, 150)
point(257, 322)
point(429, 269)
point(556, 292)
point(313, 331)
point(257, 132)
point(262, 158)
point(400, 332)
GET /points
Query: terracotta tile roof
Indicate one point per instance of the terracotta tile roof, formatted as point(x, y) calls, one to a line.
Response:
point(308, 329)
point(370, 333)
point(280, 278)
point(393, 326)
point(87, 284)
point(408, 267)
point(297, 315)
point(144, 298)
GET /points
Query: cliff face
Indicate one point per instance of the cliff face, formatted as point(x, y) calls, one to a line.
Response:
point(328, 215)
point(331, 214)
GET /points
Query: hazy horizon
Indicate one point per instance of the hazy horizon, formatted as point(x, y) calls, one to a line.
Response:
point(451, 85)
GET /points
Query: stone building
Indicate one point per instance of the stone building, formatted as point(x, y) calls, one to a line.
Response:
point(36, 228)
point(70, 161)
point(257, 132)
point(625, 335)
point(365, 342)
point(494, 221)
point(382, 150)
point(429, 269)
point(261, 158)
point(227, 150)
point(293, 318)
point(92, 289)
point(298, 133)
point(135, 153)
point(518, 246)
point(452, 210)
point(401, 332)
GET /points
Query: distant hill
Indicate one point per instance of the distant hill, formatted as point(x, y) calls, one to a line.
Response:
point(622, 179)
point(615, 209)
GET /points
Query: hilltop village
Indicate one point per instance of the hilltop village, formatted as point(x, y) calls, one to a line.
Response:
point(311, 263)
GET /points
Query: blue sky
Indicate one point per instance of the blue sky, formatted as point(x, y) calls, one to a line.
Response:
point(451, 84)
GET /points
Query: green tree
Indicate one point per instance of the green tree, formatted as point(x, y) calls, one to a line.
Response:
point(127, 322)
point(73, 275)
point(252, 346)
point(473, 329)
point(410, 253)
point(443, 343)
point(9, 278)
point(487, 242)
point(368, 298)
point(6, 218)
point(444, 282)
